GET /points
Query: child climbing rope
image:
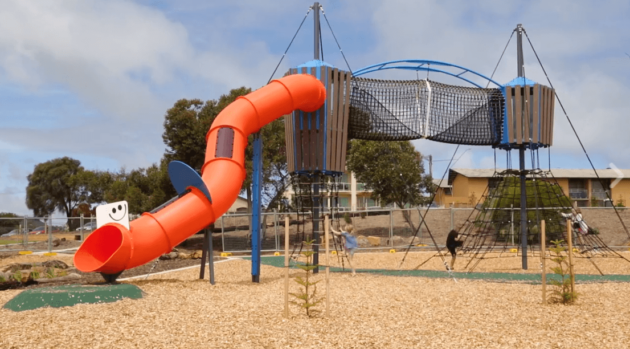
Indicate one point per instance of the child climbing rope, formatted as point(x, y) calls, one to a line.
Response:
point(350, 243)
point(452, 244)
point(576, 221)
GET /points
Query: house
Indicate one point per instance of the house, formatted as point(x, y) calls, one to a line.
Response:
point(465, 186)
point(352, 194)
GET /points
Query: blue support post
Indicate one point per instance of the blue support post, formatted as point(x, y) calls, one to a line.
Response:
point(256, 205)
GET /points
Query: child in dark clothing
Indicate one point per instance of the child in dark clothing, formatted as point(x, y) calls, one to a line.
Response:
point(452, 244)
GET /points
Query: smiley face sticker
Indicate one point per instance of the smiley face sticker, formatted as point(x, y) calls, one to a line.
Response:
point(116, 212)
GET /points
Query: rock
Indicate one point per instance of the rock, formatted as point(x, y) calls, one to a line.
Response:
point(374, 241)
point(55, 263)
point(12, 268)
point(63, 239)
point(197, 254)
point(182, 255)
point(168, 256)
point(362, 241)
point(23, 275)
point(410, 240)
point(71, 276)
point(395, 241)
point(56, 242)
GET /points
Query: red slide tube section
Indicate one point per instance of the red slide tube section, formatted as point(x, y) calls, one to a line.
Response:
point(112, 248)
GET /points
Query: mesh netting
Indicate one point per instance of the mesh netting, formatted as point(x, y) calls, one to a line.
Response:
point(493, 228)
point(398, 110)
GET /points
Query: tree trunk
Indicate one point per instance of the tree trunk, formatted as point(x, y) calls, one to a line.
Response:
point(407, 218)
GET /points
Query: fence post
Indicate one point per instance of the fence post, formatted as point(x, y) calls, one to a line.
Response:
point(47, 229)
point(391, 227)
point(421, 219)
point(25, 232)
point(222, 234)
point(512, 222)
point(275, 228)
point(81, 225)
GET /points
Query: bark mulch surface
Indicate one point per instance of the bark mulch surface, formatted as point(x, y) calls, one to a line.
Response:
point(366, 311)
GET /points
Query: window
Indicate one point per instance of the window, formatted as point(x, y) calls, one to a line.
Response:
point(598, 192)
point(344, 202)
point(577, 189)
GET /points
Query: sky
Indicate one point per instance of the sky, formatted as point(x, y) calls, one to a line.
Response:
point(93, 79)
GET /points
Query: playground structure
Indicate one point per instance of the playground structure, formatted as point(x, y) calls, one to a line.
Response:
point(113, 248)
point(324, 107)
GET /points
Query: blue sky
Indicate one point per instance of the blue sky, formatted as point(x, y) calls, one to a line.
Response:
point(93, 79)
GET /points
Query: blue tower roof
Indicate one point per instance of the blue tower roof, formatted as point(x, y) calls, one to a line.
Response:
point(520, 81)
point(314, 64)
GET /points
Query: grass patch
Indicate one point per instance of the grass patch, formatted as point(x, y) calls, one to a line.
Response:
point(6, 242)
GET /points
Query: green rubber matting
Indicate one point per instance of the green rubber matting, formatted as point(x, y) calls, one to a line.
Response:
point(65, 296)
point(278, 261)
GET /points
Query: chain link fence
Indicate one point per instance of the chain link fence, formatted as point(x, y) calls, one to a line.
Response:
point(375, 229)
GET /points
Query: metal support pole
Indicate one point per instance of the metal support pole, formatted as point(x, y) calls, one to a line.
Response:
point(316, 30)
point(543, 258)
point(521, 154)
point(452, 219)
point(316, 198)
point(256, 203)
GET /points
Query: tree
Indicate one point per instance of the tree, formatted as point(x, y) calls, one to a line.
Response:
point(392, 170)
point(144, 189)
point(6, 225)
point(62, 184)
point(185, 128)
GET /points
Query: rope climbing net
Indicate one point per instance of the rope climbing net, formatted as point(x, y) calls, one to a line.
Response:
point(398, 110)
point(492, 230)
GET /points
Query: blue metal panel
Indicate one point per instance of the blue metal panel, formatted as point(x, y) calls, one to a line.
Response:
point(183, 177)
point(256, 203)
point(419, 66)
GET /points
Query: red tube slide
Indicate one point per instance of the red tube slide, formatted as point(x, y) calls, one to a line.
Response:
point(112, 248)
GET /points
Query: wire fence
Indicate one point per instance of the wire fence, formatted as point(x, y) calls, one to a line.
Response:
point(375, 229)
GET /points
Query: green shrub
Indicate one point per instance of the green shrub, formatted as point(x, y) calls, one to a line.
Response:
point(50, 273)
point(35, 274)
point(307, 297)
point(2, 279)
point(17, 276)
point(562, 291)
point(346, 218)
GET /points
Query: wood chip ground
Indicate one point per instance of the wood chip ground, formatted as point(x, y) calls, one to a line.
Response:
point(367, 311)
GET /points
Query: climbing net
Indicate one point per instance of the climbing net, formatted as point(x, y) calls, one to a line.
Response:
point(306, 203)
point(492, 230)
point(397, 110)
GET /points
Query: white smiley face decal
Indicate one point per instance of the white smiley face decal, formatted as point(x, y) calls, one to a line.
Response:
point(121, 209)
point(115, 212)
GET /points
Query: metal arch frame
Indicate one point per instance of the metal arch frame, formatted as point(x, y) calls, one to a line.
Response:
point(419, 65)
